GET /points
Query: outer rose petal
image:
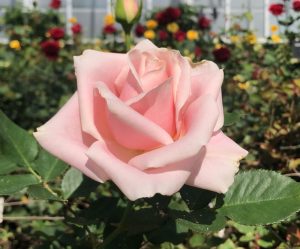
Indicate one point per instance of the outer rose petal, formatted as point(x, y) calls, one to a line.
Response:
point(219, 165)
point(62, 137)
point(137, 184)
point(130, 128)
point(200, 118)
point(92, 67)
point(207, 78)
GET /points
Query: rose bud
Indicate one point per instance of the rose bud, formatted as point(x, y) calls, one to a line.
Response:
point(163, 35)
point(148, 120)
point(276, 9)
point(57, 33)
point(128, 12)
point(50, 49)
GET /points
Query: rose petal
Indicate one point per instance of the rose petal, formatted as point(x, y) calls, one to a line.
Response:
point(219, 165)
point(62, 137)
point(207, 78)
point(157, 105)
point(200, 118)
point(130, 128)
point(135, 183)
point(92, 67)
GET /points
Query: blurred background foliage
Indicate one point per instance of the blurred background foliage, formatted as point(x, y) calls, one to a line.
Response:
point(262, 84)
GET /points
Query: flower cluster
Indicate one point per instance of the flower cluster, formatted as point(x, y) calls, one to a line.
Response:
point(278, 9)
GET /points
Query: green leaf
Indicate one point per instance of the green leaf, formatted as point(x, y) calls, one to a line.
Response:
point(206, 220)
point(231, 118)
point(260, 197)
point(15, 143)
point(196, 198)
point(13, 183)
point(48, 166)
point(71, 181)
point(39, 192)
point(6, 166)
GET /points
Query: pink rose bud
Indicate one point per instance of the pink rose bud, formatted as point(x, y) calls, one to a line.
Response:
point(128, 12)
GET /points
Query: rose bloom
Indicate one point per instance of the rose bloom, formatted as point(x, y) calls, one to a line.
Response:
point(55, 4)
point(76, 28)
point(180, 36)
point(204, 22)
point(276, 9)
point(163, 35)
point(222, 54)
point(170, 14)
point(148, 120)
point(109, 29)
point(139, 30)
point(50, 49)
point(296, 5)
point(57, 33)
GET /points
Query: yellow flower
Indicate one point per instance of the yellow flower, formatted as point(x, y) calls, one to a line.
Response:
point(149, 34)
point(218, 46)
point(109, 19)
point(274, 28)
point(151, 24)
point(73, 20)
point(251, 38)
point(172, 27)
point(15, 44)
point(244, 86)
point(275, 38)
point(235, 39)
point(192, 35)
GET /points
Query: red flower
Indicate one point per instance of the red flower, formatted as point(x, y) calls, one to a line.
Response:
point(204, 22)
point(198, 52)
point(170, 14)
point(163, 35)
point(57, 33)
point(55, 4)
point(76, 28)
point(50, 49)
point(109, 29)
point(139, 30)
point(296, 5)
point(276, 9)
point(180, 36)
point(222, 54)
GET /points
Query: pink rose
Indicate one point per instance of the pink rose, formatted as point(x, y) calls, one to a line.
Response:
point(148, 120)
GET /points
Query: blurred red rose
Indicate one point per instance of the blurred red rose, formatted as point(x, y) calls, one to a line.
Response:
point(222, 54)
point(198, 52)
point(168, 15)
point(276, 9)
point(296, 5)
point(50, 49)
point(57, 33)
point(204, 22)
point(109, 29)
point(180, 35)
point(163, 35)
point(76, 28)
point(55, 4)
point(139, 30)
